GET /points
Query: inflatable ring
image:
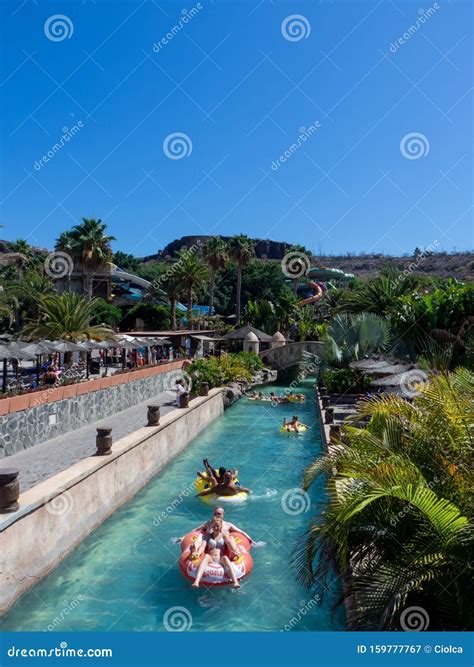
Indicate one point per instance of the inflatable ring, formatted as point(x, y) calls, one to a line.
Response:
point(212, 498)
point(215, 574)
point(301, 428)
point(296, 399)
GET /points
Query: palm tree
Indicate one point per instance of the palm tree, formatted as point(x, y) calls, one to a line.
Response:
point(28, 291)
point(193, 274)
point(351, 337)
point(170, 285)
point(88, 244)
point(66, 316)
point(215, 254)
point(242, 251)
point(377, 296)
point(395, 525)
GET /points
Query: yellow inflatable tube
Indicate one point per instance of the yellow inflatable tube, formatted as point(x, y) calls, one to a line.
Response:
point(212, 498)
point(300, 428)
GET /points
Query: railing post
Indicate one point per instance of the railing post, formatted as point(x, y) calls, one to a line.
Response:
point(103, 441)
point(183, 401)
point(204, 389)
point(9, 490)
point(153, 415)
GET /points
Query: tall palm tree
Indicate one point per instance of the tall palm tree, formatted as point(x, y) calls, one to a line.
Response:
point(169, 285)
point(242, 251)
point(193, 274)
point(88, 244)
point(395, 525)
point(66, 316)
point(215, 254)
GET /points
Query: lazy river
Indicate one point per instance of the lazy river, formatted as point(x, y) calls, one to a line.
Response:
point(124, 577)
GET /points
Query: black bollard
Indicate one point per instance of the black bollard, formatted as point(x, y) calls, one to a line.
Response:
point(103, 441)
point(9, 490)
point(153, 415)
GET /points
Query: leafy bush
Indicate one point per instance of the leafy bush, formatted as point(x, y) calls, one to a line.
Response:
point(227, 368)
point(342, 380)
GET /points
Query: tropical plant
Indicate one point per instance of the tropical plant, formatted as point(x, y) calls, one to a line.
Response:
point(242, 251)
point(154, 316)
point(217, 371)
point(351, 337)
point(66, 316)
point(88, 245)
point(215, 254)
point(103, 312)
point(395, 526)
point(193, 274)
point(172, 284)
point(343, 380)
point(262, 315)
point(377, 295)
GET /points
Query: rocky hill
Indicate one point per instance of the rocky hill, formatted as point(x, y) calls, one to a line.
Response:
point(456, 265)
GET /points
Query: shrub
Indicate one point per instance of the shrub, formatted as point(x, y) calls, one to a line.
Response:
point(342, 380)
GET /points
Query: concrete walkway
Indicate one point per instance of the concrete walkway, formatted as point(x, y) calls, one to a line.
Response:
point(53, 456)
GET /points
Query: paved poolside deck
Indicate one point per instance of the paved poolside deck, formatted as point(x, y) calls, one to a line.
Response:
point(53, 456)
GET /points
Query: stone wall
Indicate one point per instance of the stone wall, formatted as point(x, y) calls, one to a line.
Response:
point(26, 428)
point(35, 538)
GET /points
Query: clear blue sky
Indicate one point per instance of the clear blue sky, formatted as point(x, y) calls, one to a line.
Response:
point(240, 90)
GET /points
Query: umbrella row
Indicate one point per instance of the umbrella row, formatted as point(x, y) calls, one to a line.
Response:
point(17, 349)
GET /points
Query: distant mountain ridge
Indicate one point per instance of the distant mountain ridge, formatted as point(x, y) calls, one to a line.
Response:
point(264, 248)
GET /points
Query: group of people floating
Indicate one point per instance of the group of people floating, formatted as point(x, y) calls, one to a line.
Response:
point(216, 543)
point(218, 552)
point(291, 397)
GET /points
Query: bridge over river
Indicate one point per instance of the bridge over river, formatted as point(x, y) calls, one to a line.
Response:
point(291, 354)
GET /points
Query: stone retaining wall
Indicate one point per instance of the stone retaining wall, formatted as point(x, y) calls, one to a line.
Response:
point(49, 417)
point(37, 537)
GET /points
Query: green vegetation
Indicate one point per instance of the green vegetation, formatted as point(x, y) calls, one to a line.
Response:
point(396, 524)
point(89, 246)
point(218, 371)
point(66, 316)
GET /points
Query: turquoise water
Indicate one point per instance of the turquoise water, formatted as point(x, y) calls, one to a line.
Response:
point(125, 575)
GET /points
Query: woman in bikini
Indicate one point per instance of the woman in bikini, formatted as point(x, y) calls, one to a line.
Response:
point(213, 546)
